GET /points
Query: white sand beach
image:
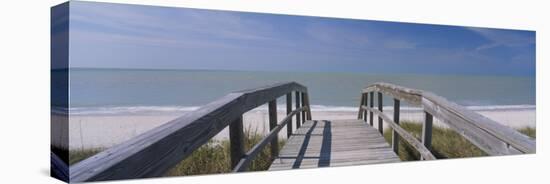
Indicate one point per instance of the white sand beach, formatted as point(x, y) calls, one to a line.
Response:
point(102, 131)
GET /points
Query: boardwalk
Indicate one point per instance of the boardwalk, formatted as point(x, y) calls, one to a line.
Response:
point(334, 143)
point(316, 143)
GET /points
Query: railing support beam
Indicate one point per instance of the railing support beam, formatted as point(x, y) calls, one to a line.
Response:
point(298, 105)
point(371, 105)
point(380, 120)
point(395, 136)
point(304, 114)
point(236, 141)
point(366, 100)
point(427, 131)
point(308, 112)
point(272, 108)
point(361, 103)
point(288, 111)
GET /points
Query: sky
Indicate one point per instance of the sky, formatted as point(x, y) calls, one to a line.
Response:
point(105, 35)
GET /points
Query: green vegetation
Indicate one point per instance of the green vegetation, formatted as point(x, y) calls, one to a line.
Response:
point(79, 155)
point(212, 157)
point(446, 143)
point(529, 131)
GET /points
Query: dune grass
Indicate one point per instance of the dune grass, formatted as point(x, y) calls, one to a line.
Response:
point(446, 143)
point(212, 157)
point(76, 156)
point(529, 131)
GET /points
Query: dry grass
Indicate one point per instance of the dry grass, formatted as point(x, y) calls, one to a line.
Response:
point(446, 143)
point(212, 157)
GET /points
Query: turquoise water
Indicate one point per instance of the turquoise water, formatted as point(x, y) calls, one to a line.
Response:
point(129, 89)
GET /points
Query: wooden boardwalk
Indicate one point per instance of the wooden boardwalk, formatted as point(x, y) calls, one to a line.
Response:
point(317, 143)
point(323, 143)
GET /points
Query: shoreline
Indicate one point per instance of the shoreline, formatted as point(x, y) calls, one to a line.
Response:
point(103, 131)
point(170, 110)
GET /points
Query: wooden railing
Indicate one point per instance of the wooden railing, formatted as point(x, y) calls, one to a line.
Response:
point(488, 135)
point(154, 152)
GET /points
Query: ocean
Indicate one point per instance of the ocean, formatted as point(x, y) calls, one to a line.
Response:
point(138, 91)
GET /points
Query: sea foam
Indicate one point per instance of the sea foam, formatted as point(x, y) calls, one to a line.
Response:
point(153, 110)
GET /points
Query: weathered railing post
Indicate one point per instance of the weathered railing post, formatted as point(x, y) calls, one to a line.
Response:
point(490, 136)
point(288, 111)
point(272, 108)
point(395, 136)
point(361, 103)
point(427, 131)
point(298, 105)
point(380, 125)
point(360, 114)
point(365, 101)
point(303, 104)
point(371, 105)
point(153, 153)
point(236, 141)
point(308, 112)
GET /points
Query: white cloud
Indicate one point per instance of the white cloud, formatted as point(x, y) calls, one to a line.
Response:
point(501, 38)
point(154, 25)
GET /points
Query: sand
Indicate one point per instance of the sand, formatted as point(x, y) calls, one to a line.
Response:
point(103, 131)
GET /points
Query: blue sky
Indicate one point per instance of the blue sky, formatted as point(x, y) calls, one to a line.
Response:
point(106, 35)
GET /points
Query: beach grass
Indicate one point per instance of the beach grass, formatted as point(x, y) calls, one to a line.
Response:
point(214, 156)
point(76, 156)
point(211, 158)
point(446, 143)
point(529, 131)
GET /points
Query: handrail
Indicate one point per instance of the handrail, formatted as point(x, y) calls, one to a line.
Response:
point(421, 148)
point(253, 152)
point(154, 152)
point(488, 135)
point(59, 168)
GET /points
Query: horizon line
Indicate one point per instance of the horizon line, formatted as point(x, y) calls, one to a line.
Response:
point(290, 71)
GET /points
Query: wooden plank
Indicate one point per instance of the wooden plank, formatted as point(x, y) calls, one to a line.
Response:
point(236, 141)
point(152, 153)
point(334, 143)
point(410, 139)
point(395, 136)
point(412, 96)
point(298, 119)
point(380, 121)
point(272, 108)
point(288, 111)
